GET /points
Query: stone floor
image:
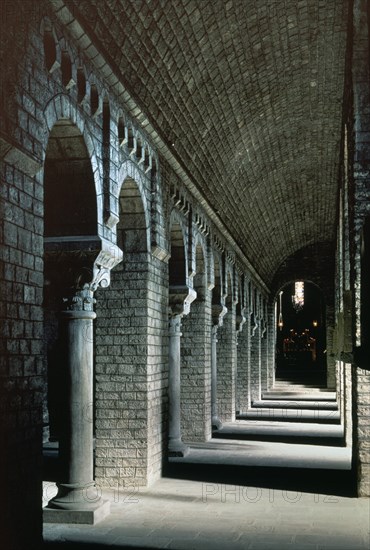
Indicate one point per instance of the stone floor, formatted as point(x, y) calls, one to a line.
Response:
point(187, 514)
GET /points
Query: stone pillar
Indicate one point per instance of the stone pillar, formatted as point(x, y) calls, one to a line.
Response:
point(226, 362)
point(77, 492)
point(255, 371)
point(271, 344)
point(175, 445)
point(264, 355)
point(240, 321)
point(243, 367)
point(330, 355)
point(216, 422)
point(78, 500)
point(179, 305)
point(218, 313)
point(196, 368)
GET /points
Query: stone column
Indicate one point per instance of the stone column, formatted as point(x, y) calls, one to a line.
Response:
point(175, 445)
point(244, 360)
point(78, 500)
point(239, 323)
point(218, 313)
point(264, 355)
point(179, 305)
point(255, 371)
point(77, 491)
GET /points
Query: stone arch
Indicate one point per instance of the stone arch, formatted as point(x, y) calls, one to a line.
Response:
point(229, 287)
point(132, 228)
point(129, 172)
point(61, 108)
point(124, 320)
point(201, 277)
point(217, 293)
point(70, 231)
point(196, 356)
point(177, 265)
point(69, 190)
point(51, 48)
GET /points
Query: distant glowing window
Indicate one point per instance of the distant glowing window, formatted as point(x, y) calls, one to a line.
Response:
point(298, 296)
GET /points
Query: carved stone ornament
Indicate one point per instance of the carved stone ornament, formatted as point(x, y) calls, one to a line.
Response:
point(76, 267)
point(180, 299)
point(218, 313)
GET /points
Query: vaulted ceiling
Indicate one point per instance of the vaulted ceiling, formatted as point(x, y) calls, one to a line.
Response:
point(248, 95)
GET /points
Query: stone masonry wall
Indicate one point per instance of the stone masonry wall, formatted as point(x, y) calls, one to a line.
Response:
point(256, 363)
point(360, 185)
point(243, 368)
point(196, 371)
point(226, 363)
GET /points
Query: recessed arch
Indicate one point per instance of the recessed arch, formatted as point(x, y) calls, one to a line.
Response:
point(177, 261)
point(301, 331)
point(60, 109)
point(229, 289)
point(69, 190)
point(132, 227)
point(200, 277)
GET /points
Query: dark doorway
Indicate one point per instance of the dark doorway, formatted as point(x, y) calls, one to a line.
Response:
point(301, 333)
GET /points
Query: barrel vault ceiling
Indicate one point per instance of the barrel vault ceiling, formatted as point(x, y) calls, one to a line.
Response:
point(248, 95)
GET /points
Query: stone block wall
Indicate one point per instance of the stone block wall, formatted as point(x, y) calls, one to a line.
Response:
point(360, 208)
point(196, 371)
point(243, 367)
point(256, 359)
point(226, 366)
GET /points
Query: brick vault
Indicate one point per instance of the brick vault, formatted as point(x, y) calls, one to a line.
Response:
point(167, 168)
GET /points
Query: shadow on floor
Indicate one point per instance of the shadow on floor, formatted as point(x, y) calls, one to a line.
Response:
point(318, 481)
point(89, 546)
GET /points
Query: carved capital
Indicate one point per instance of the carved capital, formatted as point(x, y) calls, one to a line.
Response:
point(180, 298)
point(76, 267)
point(79, 300)
point(240, 320)
point(254, 324)
point(175, 325)
point(218, 313)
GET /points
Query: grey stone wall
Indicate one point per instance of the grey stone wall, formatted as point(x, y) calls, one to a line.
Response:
point(196, 371)
point(360, 185)
point(226, 365)
point(243, 367)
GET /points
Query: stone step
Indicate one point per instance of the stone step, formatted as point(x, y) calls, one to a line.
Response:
point(296, 404)
point(285, 414)
point(310, 396)
point(287, 432)
point(243, 429)
point(292, 387)
point(268, 454)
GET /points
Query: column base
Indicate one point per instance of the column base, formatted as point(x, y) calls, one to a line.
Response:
point(82, 516)
point(216, 423)
point(177, 448)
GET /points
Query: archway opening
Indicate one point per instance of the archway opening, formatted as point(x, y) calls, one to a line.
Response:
point(195, 360)
point(301, 333)
point(131, 228)
point(70, 224)
point(69, 191)
point(177, 263)
point(122, 338)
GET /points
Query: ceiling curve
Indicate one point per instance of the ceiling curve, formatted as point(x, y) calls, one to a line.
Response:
point(248, 94)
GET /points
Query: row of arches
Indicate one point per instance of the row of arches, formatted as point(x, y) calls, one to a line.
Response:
point(130, 342)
